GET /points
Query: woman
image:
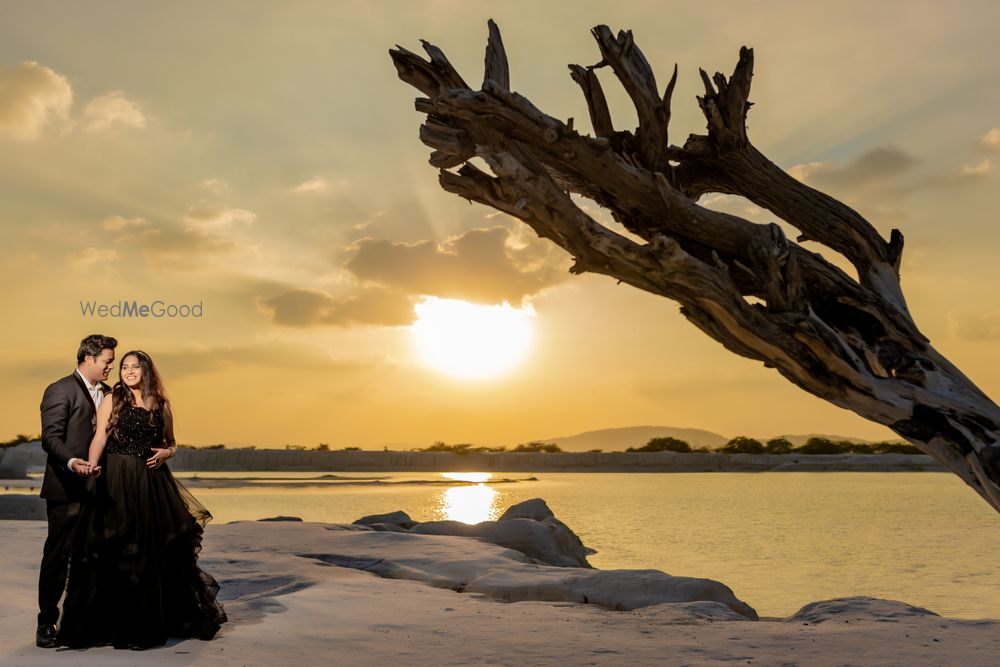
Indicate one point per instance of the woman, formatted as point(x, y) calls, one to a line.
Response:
point(135, 580)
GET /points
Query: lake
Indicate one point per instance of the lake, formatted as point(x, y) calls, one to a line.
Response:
point(779, 540)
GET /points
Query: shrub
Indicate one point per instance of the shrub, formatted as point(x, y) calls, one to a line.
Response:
point(461, 448)
point(538, 446)
point(817, 445)
point(778, 446)
point(19, 439)
point(895, 448)
point(665, 444)
point(743, 445)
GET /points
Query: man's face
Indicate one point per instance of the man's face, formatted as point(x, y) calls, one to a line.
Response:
point(99, 368)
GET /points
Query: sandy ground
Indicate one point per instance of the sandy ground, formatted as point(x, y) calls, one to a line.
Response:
point(289, 606)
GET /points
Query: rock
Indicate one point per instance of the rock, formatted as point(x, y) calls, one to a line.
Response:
point(398, 518)
point(476, 566)
point(857, 609)
point(386, 527)
point(536, 509)
point(281, 518)
point(620, 590)
point(22, 507)
point(529, 527)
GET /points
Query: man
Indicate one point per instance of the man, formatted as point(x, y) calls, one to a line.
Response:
point(69, 411)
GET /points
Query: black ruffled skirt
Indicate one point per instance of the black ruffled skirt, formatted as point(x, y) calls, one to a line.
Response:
point(134, 579)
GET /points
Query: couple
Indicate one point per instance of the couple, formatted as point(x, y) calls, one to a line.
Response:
point(124, 529)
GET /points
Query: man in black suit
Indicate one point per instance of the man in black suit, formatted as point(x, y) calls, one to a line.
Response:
point(69, 411)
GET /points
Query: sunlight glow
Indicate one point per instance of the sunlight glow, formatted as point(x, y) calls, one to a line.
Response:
point(471, 341)
point(469, 504)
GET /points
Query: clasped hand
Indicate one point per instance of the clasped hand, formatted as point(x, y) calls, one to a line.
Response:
point(86, 468)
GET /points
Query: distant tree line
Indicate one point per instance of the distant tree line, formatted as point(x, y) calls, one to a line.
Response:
point(467, 447)
point(19, 439)
point(738, 445)
point(815, 445)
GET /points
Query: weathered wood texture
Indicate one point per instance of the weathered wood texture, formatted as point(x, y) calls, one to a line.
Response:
point(849, 341)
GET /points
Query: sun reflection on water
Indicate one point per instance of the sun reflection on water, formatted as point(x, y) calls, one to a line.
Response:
point(468, 476)
point(468, 503)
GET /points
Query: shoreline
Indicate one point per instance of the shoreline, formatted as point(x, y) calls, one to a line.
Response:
point(388, 592)
point(16, 462)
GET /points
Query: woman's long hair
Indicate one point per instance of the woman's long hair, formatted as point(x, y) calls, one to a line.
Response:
point(150, 385)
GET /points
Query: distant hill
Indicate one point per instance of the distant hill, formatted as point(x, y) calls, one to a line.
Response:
point(618, 439)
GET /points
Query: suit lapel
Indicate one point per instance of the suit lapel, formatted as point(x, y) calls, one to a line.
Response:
point(86, 395)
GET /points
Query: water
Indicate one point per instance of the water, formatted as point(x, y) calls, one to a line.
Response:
point(779, 540)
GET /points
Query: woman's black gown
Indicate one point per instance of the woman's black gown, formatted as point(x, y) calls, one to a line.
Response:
point(134, 579)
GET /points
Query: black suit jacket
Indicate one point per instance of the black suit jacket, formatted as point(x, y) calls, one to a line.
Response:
point(68, 418)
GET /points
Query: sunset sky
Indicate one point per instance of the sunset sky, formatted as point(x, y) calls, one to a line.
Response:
point(262, 159)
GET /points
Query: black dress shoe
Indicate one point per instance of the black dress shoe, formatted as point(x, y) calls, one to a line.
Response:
point(45, 636)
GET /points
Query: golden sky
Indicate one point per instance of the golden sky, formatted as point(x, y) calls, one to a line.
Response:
point(262, 159)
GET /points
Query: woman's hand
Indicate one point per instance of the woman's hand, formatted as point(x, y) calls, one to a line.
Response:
point(160, 454)
point(95, 469)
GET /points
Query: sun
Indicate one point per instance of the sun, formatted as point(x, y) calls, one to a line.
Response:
point(468, 340)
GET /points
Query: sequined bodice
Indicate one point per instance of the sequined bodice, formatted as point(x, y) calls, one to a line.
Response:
point(138, 429)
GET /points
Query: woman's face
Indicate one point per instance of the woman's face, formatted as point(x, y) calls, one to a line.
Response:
point(131, 372)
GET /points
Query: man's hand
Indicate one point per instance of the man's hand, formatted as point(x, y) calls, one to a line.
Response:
point(81, 468)
point(160, 454)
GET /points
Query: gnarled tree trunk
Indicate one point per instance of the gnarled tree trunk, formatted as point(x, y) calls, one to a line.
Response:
point(850, 342)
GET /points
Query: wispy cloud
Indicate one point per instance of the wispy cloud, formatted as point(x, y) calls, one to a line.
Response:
point(312, 307)
point(112, 110)
point(315, 184)
point(991, 139)
point(114, 223)
point(91, 257)
point(32, 98)
point(975, 327)
point(218, 216)
point(484, 265)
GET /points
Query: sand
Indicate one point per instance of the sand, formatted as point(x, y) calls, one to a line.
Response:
point(289, 605)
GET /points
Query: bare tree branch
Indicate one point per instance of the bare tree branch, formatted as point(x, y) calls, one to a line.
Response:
point(850, 342)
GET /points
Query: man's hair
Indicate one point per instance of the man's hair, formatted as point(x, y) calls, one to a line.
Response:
point(92, 346)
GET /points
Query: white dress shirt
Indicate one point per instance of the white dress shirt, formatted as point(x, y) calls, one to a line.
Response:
point(96, 395)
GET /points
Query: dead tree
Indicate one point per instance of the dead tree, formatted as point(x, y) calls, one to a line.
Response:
point(763, 296)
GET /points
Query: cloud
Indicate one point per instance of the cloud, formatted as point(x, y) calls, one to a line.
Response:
point(112, 109)
point(215, 185)
point(189, 361)
point(204, 233)
point(315, 184)
point(32, 97)
point(310, 307)
point(991, 139)
point(114, 223)
point(879, 178)
point(284, 356)
point(482, 265)
point(975, 327)
point(984, 167)
point(872, 168)
point(89, 258)
point(217, 216)
point(177, 247)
